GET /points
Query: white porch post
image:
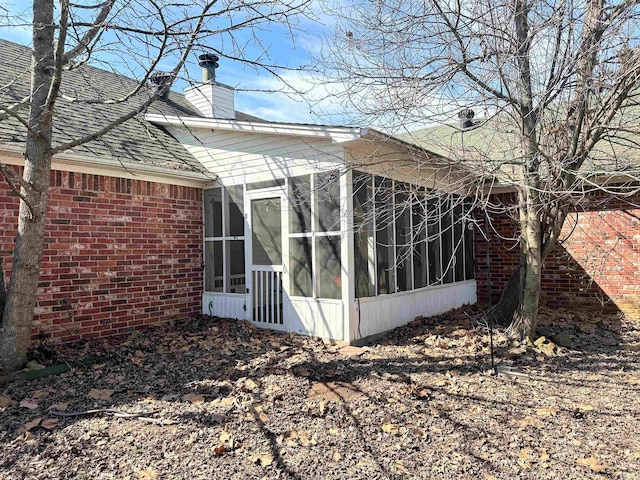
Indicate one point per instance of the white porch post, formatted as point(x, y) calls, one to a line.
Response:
point(347, 256)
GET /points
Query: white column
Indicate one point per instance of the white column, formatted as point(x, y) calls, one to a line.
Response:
point(347, 256)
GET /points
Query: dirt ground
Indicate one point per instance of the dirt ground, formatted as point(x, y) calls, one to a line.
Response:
point(219, 399)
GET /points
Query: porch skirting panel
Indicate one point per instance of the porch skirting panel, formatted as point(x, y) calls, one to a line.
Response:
point(224, 305)
point(316, 317)
point(386, 312)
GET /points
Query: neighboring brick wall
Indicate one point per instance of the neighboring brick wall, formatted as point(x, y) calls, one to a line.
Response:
point(118, 254)
point(597, 267)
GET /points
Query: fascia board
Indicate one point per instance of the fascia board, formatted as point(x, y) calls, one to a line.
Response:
point(337, 135)
point(14, 155)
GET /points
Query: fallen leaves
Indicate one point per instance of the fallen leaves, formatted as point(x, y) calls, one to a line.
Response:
point(256, 413)
point(528, 421)
point(546, 412)
point(148, 474)
point(527, 456)
point(221, 449)
point(592, 463)
point(298, 437)
point(6, 401)
point(241, 402)
point(30, 425)
point(193, 398)
point(400, 468)
point(137, 358)
point(584, 407)
point(226, 443)
point(332, 391)
point(263, 459)
point(390, 428)
point(28, 403)
point(546, 346)
point(60, 407)
point(224, 402)
point(351, 351)
point(49, 424)
point(100, 394)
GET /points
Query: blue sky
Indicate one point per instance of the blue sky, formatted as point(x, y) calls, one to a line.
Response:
point(257, 90)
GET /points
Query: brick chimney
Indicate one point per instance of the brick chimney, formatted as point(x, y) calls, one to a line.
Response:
point(212, 99)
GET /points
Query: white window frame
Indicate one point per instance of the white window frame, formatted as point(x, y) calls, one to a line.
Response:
point(224, 238)
point(313, 235)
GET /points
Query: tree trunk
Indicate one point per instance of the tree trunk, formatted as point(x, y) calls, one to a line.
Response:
point(15, 334)
point(15, 331)
point(525, 318)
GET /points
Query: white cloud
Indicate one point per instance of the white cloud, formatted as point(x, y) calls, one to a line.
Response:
point(296, 97)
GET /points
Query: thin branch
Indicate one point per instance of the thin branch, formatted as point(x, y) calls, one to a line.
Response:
point(10, 176)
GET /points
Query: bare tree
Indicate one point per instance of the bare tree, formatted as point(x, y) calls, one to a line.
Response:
point(556, 80)
point(135, 38)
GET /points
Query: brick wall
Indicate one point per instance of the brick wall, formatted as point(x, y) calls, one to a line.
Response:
point(118, 254)
point(596, 267)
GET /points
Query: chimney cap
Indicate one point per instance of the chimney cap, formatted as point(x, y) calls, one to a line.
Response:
point(466, 118)
point(161, 78)
point(466, 113)
point(208, 60)
point(161, 82)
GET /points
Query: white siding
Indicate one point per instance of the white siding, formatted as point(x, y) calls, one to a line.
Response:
point(386, 312)
point(213, 100)
point(306, 316)
point(238, 157)
point(316, 318)
point(224, 305)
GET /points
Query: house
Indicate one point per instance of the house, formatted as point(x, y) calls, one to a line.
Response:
point(195, 207)
point(595, 264)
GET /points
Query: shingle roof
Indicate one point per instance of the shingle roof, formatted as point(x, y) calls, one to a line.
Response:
point(492, 146)
point(133, 140)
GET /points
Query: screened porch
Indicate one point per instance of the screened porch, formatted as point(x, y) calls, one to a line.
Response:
point(336, 254)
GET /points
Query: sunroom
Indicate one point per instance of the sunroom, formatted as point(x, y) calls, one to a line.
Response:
point(340, 254)
point(335, 232)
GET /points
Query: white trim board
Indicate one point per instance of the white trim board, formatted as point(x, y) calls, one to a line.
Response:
point(336, 134)
point(111, 167)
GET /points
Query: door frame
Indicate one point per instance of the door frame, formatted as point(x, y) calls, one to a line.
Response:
point(250, 195)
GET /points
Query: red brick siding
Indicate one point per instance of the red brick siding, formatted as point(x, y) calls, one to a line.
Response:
point(118, 254)
point(596, 267)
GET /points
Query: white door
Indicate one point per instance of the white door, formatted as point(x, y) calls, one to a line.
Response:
point(266, 254)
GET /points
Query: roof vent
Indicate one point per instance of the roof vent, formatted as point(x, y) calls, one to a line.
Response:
point(466, 118)
point(161, 82)
point(209, 63)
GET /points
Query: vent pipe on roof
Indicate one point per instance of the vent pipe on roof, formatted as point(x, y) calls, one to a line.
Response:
point(161, 81)
point(209, 63)
point(466, 118)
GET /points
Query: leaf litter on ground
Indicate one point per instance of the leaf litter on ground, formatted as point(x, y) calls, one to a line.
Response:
point(233, 401)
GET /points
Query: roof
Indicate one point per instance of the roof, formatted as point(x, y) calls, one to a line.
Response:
point(135, 140)
point(492, 146)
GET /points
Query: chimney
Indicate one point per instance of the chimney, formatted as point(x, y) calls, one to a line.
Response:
point(161, 82)
point(212, 99)
point(466, 118)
